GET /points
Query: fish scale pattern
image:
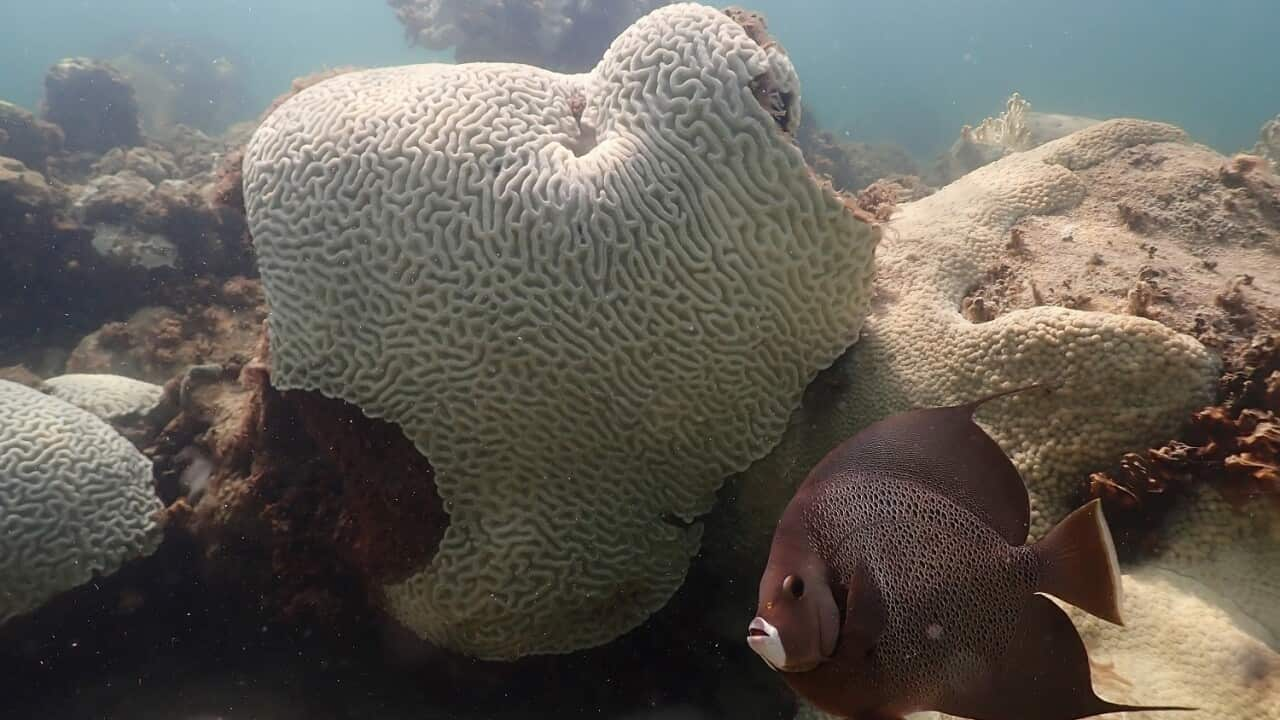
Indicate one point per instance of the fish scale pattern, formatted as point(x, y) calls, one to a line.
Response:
point(952, 588)
point(76, 499)
point(585, 298)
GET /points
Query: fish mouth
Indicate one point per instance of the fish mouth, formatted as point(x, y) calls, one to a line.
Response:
point(763, 639)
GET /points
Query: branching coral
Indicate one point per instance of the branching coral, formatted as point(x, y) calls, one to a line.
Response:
point(564, 35)
point(586, 299)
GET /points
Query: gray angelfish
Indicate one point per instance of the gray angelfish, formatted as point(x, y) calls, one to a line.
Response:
point(899, 581)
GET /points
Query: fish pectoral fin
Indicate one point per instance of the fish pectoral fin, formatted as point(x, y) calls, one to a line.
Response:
point(864, 613)
point(1044, 674)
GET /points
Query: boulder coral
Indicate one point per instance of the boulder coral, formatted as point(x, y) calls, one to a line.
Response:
point(76, 499)
point(563, 35)
point(585, 298)
point(109, 397)
point(1113, 382)
point(93, 104)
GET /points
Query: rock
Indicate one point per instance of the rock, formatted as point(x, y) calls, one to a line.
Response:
point(26, 138)
point(93, 104)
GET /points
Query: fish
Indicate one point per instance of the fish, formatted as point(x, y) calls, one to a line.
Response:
point(899, 580)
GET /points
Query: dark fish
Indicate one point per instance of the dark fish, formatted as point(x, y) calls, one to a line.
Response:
point(899, 582)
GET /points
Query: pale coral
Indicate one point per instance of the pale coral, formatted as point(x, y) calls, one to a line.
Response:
point(110, 397)
point(586, 299)
point(76, 499)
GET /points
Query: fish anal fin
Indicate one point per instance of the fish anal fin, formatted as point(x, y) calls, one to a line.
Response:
point(1043, 674)
point(944, 451)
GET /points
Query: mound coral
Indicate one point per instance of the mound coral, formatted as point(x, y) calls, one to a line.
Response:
point(563, 35)
point(76, 499)
point(110, 397)
point(1114, 383)
point(586, 299)
point(93, 104)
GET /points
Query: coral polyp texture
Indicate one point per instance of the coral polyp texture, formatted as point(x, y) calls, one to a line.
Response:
point(76, 499)
point(109, 397)
point(585, 298)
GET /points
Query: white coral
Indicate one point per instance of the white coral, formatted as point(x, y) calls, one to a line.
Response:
point(1118, 383)
point(585, 298)
point(76, 499)
point(109, 397)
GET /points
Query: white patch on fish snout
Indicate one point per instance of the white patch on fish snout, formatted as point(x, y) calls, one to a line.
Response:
point(934, 631)
point(763, 639)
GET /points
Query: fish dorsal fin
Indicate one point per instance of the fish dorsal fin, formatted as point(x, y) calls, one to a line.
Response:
point(944, 450)
point(1043, 674)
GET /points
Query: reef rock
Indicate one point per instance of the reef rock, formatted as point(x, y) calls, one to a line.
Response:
point(109, 397)
point(159, 343)
point(850, 165)
point(563, 35)
point(93, 104)
point(26, 138)
point(599, 313)
point(79, 499)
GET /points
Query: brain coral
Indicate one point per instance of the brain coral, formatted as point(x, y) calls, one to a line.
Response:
point(107, 396)
point(76, 499)
point(1117, 382)
point(585, 298)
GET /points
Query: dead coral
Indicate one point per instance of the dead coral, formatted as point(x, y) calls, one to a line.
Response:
point(310, 505)
point(1233, 446)
point(93, 104)
point(26, 138)
point(219, 324)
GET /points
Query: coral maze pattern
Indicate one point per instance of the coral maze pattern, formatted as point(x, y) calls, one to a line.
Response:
point(586, 299)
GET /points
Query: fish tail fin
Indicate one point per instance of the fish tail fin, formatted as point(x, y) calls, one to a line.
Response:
point(1078, 564)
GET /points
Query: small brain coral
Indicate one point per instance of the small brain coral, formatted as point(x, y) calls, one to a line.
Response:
point(76, 499)
point(109, 397)
point(585, 298)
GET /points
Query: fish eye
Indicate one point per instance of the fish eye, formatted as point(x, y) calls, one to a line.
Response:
point(793, 585)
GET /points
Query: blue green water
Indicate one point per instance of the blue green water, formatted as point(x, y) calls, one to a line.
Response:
point(910, 71)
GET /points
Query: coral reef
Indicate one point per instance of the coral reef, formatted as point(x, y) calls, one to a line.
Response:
point(27, 139)
point(1014, 130)
point(584, 337)
point(1115, 382)
point(561, 35)
point(78, 499)
point(93, 104)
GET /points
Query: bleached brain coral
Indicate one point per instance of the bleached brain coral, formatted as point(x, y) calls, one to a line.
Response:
point(585, 298)
point(76, 499)
point(107, 396)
